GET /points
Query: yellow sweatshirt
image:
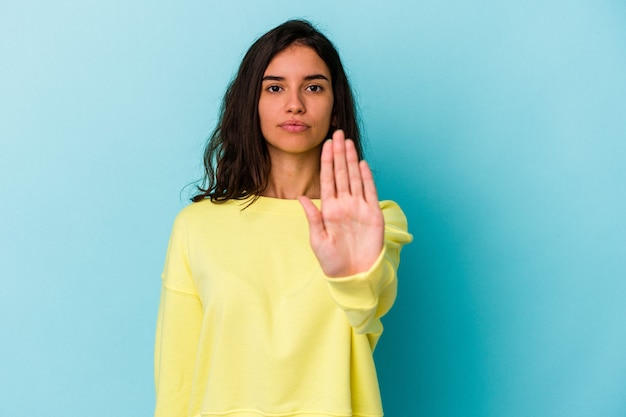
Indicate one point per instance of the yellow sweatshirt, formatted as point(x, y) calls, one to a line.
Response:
point(249, 326)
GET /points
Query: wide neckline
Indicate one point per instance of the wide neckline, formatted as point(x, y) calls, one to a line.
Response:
point(274, 205)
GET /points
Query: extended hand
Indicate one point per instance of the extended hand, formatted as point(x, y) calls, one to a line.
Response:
point(347, 233)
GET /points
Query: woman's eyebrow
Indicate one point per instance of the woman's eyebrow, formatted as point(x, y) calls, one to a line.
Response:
point(307, 78)
point(316, 77)
point(273, 78)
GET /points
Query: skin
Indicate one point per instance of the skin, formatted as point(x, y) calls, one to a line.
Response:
point(295, 109)
point(347, 233)
point(297, 88)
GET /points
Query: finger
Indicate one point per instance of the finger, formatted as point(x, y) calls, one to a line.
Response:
point(354, 172)
point(342, 183)
point(327, 177)
point(371, 196)
point(314, 217)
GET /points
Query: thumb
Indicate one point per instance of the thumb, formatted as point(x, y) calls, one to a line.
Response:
point(314, 216)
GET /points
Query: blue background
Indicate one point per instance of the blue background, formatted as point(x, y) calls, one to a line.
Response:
point(499, 127)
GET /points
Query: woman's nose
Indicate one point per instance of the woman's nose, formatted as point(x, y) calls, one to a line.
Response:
point(295, 104)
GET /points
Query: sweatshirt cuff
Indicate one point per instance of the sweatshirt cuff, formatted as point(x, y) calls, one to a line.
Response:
point(360, 291)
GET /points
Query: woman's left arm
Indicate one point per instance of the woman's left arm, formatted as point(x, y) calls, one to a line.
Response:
point(356, 239)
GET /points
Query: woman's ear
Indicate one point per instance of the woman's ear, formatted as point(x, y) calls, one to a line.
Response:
point(333, 122)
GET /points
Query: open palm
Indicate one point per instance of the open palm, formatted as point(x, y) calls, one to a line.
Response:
point(347, 233)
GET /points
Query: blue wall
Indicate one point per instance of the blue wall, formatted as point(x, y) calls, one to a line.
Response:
point(498, 126)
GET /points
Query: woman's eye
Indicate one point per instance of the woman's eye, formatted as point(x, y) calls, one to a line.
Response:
point(315, 88)
point(274, 89)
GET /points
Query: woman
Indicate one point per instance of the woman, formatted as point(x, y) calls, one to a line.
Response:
point(277, 275)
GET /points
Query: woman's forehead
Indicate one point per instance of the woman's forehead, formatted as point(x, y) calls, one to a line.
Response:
point(297, 60)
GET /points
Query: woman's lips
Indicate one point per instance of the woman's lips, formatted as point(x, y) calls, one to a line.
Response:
point(294, 126)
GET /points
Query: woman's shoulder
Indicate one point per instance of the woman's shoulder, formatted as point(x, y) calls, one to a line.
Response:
point(392, 212)
point(395, 221)
point(206, 209)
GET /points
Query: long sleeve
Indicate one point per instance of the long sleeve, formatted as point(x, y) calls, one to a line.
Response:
point(367, 296)
point(178, 331)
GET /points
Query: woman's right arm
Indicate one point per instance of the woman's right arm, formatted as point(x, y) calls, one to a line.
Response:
point(178, 330)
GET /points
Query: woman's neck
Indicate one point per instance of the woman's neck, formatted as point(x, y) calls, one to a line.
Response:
point(292, 177)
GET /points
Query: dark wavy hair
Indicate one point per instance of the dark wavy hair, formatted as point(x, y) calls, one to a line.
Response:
point(236, 160)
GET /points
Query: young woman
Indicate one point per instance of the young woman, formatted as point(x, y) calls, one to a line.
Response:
point(277, 275)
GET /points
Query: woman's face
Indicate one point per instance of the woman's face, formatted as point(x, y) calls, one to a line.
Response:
point(296, 102)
